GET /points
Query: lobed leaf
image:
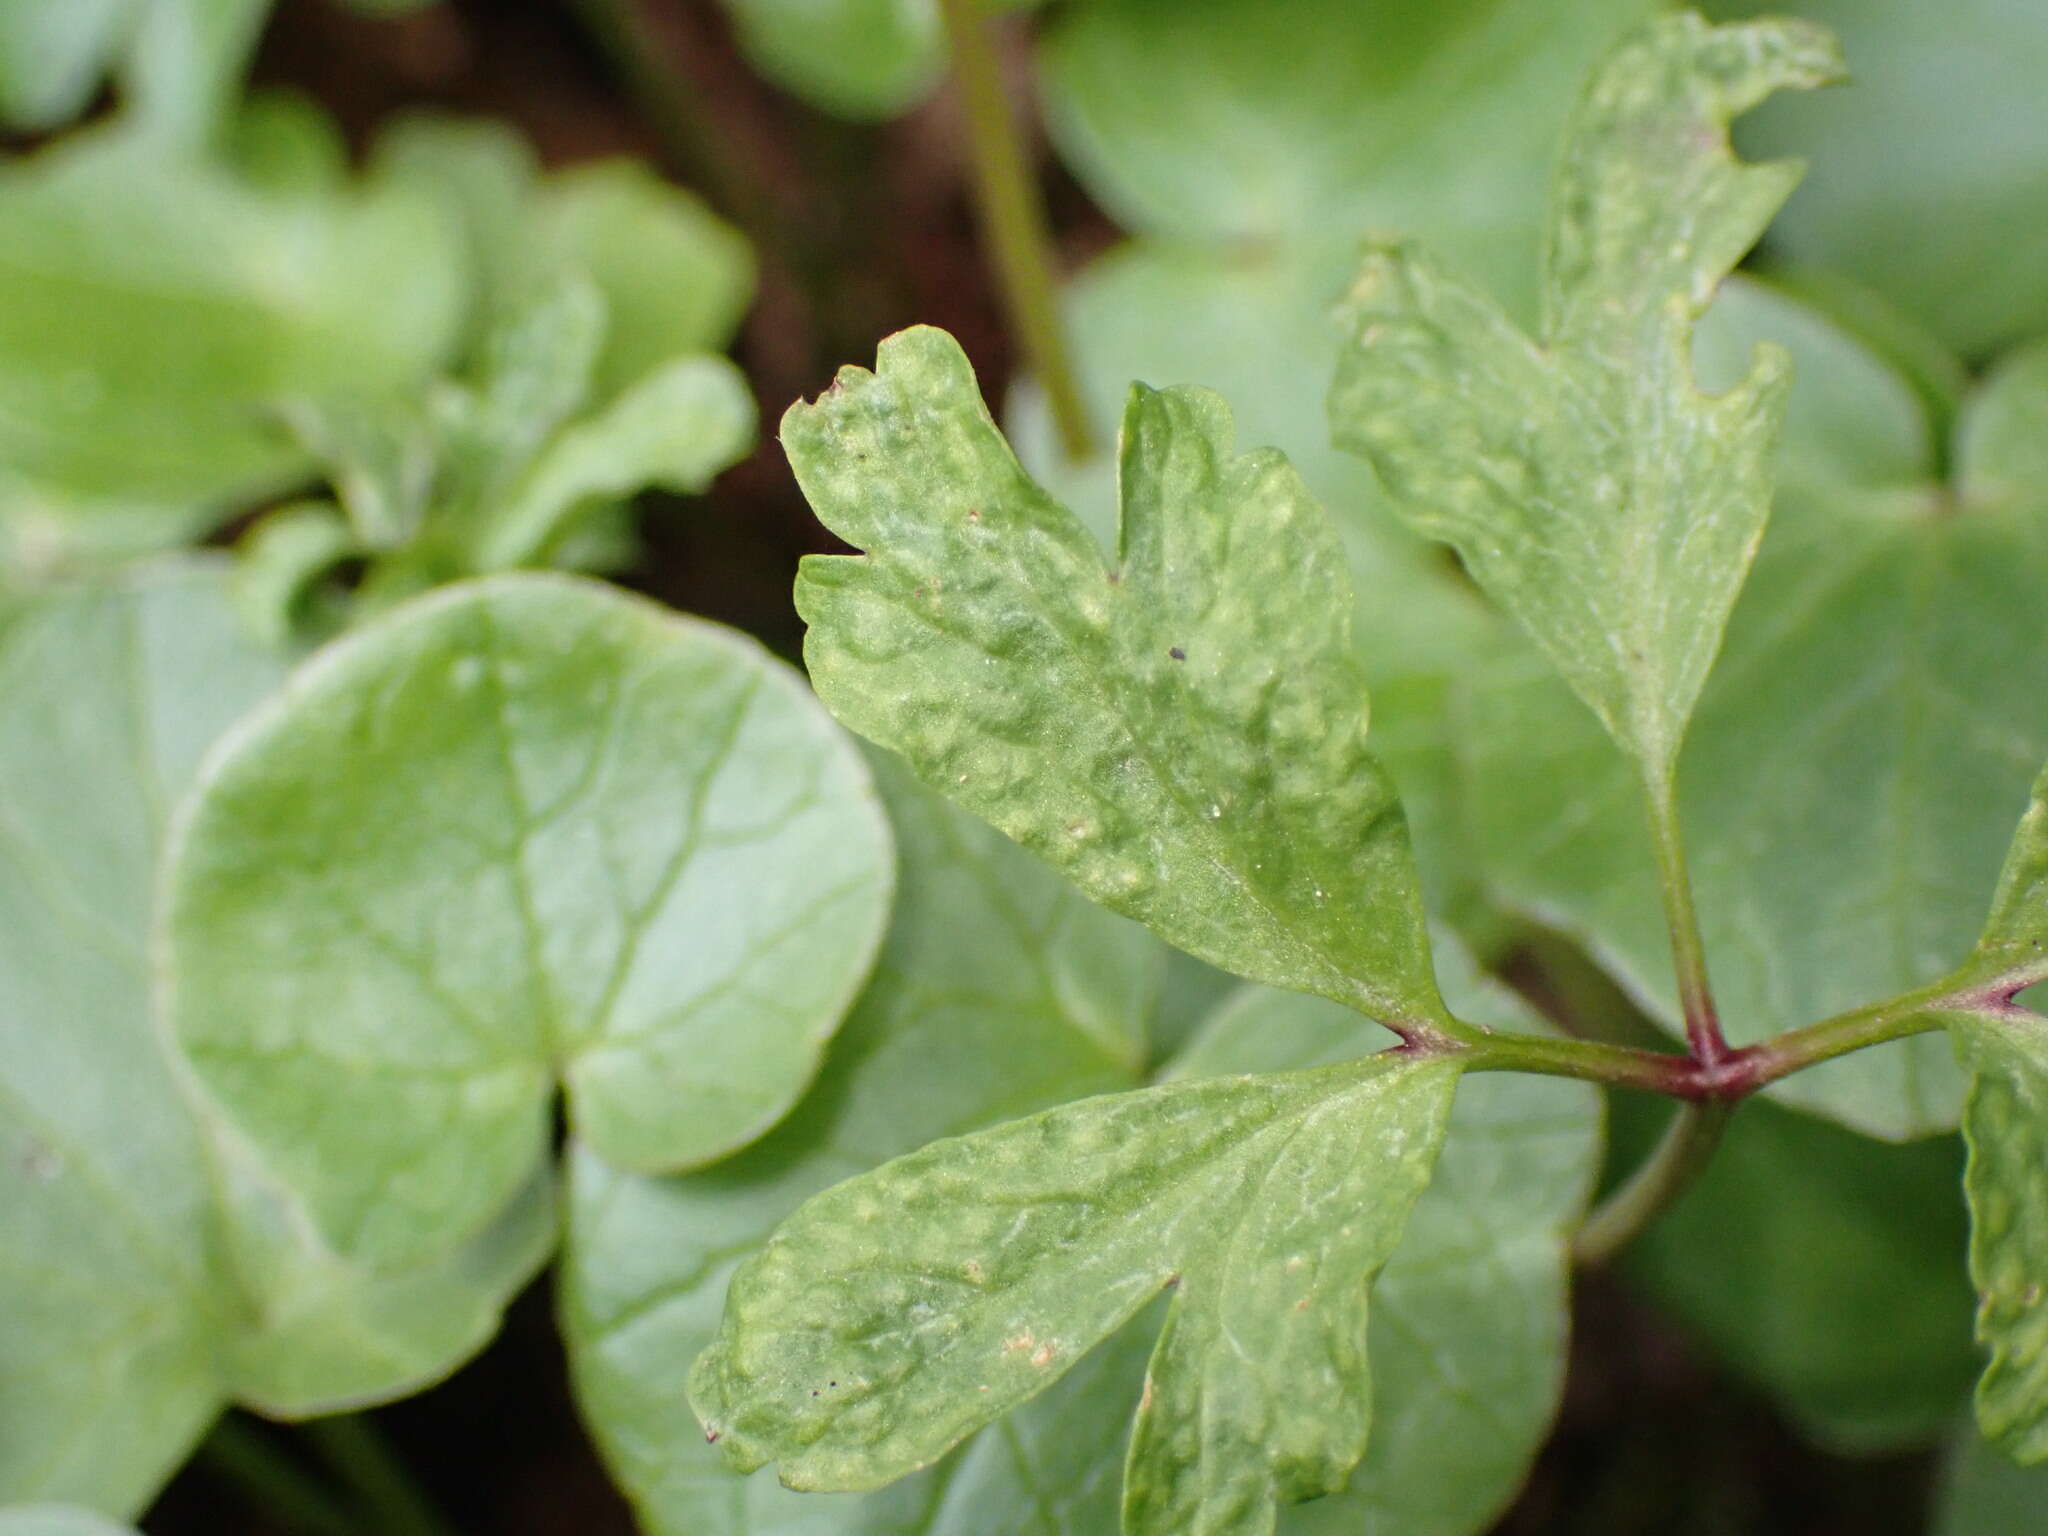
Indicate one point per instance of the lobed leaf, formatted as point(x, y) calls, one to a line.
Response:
point(1189, 752)
point(1851, 771)
point(1585, 480)
point(854, 1351)
point(524, 829)
point(1470, 1317)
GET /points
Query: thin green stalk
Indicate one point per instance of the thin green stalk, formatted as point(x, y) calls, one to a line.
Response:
point(1613, 1066)
point(1910, 1013)
point(359, 1455)
point(1688, 954)
point(1679, 1158)
point(239, 1451)
point(1014, 218)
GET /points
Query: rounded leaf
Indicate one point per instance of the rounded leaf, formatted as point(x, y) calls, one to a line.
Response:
point(524, 829)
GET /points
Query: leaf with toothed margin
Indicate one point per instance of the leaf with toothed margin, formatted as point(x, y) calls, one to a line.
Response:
point(1587, 482)
point(2005, 1047)
point(2006, 1125)
point(524, 830)
point(1853, 769)
point(899, 1311)
point(1187, 750)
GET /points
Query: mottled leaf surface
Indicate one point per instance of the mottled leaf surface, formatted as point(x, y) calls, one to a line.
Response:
point(1189, 752)
point(1000, 989)
point(1851, 777)
point(2006, 1124)
point(852, 1352)
point(147, 1271)
point(1584, 478)
point(1469, 1318)
point(525, 829)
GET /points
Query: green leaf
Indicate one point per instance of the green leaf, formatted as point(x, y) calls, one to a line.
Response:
point(1585, 480)
point(857, 58)
point(1266, 1202)
point(283, 557)
point(1188, 752)
point(1842, 1243)
point(999, 990)
point(150, 1273)
point(2006, 1124)
point(675, 429)
point(1206, 121)
point(2002, 447)
point(526, 828)
point(1255, 327)
point(1469, 1318)
point(53, 57)
point(1984, 1494)
point(57, 1520)
point(1852, 774)
point(152, 308)
point(675, 277)
point(1938, 209)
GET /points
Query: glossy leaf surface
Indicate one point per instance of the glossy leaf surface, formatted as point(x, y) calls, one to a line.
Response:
point(150, 1271)
point(522, 829)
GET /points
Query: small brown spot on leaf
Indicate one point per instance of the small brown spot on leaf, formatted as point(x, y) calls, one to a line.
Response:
point(1176, 653)
point(1043, 1356)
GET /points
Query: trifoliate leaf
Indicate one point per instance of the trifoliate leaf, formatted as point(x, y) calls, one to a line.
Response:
point(853, 1351)
point(1852, 775)
point(1209, 121)
point(1189, 751)
point(524, 828)
point(148, 1273)
point(999, 990)
point(1587, 482)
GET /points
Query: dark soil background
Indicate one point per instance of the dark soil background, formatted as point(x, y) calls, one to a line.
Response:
point(861, 231)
